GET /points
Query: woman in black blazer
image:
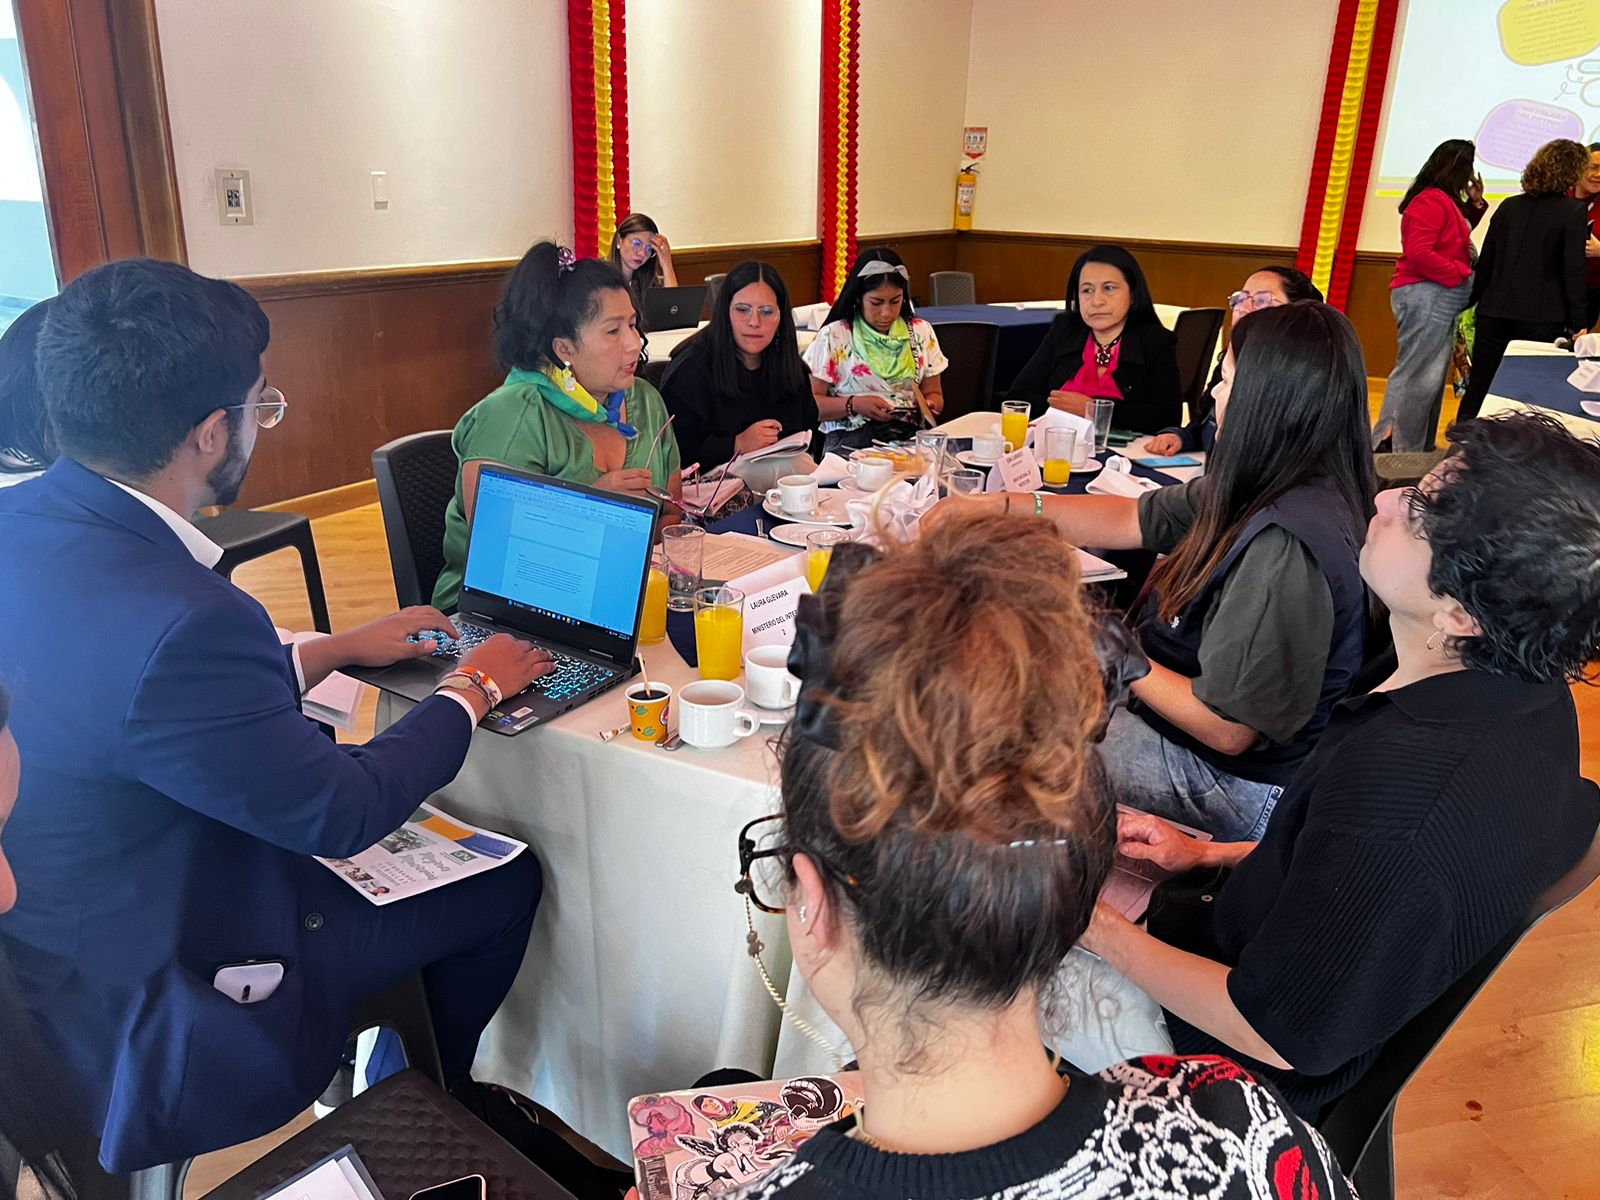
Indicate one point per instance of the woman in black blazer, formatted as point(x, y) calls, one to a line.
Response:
point(1529, 280)
point(1108, 344)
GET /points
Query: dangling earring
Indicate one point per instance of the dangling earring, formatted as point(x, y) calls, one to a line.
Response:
point(1435, 641)
point(569, 381)
point(802, 914)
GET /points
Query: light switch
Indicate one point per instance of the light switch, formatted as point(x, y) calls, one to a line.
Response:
point(380, 189)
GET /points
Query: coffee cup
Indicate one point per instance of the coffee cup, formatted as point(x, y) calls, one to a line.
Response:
point(711, 714)
point(987, 447)
point(795, 494)
point(647, 710)
point(872, 471)
point(767, 680)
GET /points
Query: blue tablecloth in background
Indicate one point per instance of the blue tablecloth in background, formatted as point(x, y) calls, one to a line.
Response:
point(1540, 380)
point(1021, 331)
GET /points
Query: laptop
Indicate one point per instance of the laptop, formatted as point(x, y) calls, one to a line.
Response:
point(554, 563)
point(673, 307)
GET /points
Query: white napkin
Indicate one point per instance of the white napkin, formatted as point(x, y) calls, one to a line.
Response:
point(1056, 418)
point(892, 512)
point(1586, 377)
point(811, 316)
point(831, 470)
point(1117, 480)
point(1587, 346)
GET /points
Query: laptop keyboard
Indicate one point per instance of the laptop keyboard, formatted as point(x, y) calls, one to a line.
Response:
point(572, 676)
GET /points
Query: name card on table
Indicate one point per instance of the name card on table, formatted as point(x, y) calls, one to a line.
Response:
point(771, 601)
point(1016, 472)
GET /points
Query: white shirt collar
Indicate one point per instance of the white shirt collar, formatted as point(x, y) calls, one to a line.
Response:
point(205, 552)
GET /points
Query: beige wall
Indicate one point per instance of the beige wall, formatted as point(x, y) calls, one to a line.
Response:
point(462, 102)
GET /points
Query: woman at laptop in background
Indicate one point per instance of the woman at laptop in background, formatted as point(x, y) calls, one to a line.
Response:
point(643, 256)
point(571, 405)
point(934, 862)
point(875, 364)
point(739, 385)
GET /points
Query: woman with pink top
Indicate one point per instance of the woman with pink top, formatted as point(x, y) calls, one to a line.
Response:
point(1432, 284)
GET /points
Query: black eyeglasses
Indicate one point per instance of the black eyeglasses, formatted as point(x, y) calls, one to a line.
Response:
point(764, 859)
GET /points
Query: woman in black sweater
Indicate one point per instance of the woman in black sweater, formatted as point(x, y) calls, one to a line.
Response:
point(1529, 279)
point(934, 861)
point(738, 385)
point(1434, 812)
point(1108, 344)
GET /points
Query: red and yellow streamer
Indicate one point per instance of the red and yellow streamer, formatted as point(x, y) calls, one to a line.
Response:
point(1352, 102)
point(836, 178)
point(597, 59)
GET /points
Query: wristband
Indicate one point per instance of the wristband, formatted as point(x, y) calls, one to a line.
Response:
point(1038, 504)
point(849, 408)
point(471, 677)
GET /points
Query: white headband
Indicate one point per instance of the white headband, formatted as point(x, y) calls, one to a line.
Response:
point(878, 267)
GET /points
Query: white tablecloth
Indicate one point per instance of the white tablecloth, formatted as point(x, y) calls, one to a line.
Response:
point(637, 977)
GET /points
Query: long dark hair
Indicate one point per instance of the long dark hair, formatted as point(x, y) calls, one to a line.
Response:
point(650, 274)
point(1141, 309)
point(1297, 413)
point(24, 425)
point(544, 300)
point(782, 371)
point(848, 306)
point(1449, 168)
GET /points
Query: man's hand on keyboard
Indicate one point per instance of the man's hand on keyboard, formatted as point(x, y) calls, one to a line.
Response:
point(390, 639)
point(513, 664)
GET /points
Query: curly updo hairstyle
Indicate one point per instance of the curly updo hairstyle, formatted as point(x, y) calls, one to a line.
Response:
point(952, 802)
point(545, 300)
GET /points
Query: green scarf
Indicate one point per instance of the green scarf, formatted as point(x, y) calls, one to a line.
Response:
point(888, 354)
point(560, 387)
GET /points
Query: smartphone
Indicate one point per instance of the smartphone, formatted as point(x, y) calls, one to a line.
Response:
point(468, 1187)
point(1171, 460)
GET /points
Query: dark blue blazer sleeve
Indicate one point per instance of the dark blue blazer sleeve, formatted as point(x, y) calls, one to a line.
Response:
point(215, 724)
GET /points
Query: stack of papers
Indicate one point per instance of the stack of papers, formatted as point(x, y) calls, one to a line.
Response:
point(730, 555)
point(795, 443)
point(333, 701)
point(340, 1176)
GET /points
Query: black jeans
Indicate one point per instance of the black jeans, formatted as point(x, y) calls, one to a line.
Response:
point(1489, 343)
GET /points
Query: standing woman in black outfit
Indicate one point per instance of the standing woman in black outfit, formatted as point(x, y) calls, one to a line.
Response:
point(739, 385)
point(1530, 276)
point(1109, 344)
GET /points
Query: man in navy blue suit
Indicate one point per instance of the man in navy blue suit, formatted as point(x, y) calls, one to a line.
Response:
point(171, 792)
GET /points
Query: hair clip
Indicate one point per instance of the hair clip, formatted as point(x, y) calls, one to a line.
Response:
point(566, 260)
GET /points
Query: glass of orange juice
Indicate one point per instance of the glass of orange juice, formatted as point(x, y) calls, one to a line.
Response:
point(653, 620)
point(1060, 448)
point(719, 631)
point(1014, 424)
point(819, 553)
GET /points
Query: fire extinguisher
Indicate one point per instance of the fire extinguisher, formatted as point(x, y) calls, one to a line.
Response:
point(966, 194)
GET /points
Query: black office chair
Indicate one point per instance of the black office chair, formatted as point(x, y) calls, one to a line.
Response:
point(1197, 331)
point(968, 382)
point(952, 287)
point(1359, 1127)
point(246, 534)
point(416, 478)
point(713, 286)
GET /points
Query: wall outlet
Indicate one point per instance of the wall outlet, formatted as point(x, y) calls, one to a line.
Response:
point(235, 201)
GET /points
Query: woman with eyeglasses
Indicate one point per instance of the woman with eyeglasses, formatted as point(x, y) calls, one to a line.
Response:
point(1108, 345)
point(571, 406)
point(1255, 618)
point(739, 385)
point(875, 364)
point(643, 256)
point(1432, 285)
point(939, 850)
point(1266, 288)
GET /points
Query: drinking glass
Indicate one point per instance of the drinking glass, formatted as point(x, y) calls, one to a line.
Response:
point(966, 482)
point(1014, 424)
point(719, 631)
point(931, 446)
point(1100, 414)
point(653, 620)
point(684, 547)
point(1060, 448)
point(819, 553)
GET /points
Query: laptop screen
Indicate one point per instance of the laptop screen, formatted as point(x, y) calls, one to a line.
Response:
point(561, 552)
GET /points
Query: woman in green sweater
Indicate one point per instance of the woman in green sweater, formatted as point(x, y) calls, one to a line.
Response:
point(571, 406)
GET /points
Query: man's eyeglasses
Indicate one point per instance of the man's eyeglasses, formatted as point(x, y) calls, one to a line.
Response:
point(269, 409)
point(1250, 301)
point(764, 859)
point(743, 312)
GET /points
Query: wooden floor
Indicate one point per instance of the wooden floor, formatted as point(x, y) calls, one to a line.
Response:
point(1508, 1108)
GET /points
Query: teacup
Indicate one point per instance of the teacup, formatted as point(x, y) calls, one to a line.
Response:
point(711, 714)
point(795, 494)
point(987, 447)
point(872, 471)
point(767, 680)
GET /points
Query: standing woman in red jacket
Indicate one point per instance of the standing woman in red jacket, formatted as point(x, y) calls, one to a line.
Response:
point(1432, 284)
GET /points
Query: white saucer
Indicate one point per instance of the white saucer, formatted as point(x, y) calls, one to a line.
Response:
point(1092, 467)
point(970, 458)
point(830, 510)
point(773, 716)
point(793, 535)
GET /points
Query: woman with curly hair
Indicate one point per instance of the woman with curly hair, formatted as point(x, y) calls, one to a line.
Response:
point(1529, 282)
point(1434, 811)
